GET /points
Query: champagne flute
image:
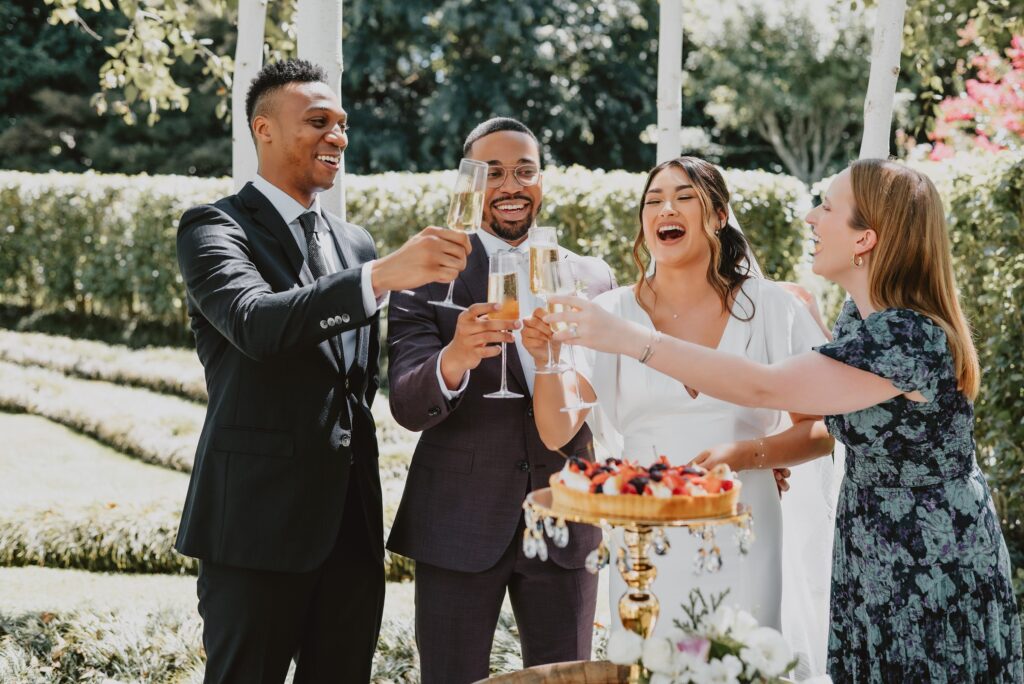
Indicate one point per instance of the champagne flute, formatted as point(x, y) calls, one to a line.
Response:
point(503, 289)
point(544, 251)
point(466, 211)
point(562, 281)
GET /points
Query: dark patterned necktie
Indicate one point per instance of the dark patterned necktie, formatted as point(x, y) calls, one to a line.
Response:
point(316, 260)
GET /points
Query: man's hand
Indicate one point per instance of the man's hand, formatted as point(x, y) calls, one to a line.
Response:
point(475, 339)
point(537, 335)
point(434, 255)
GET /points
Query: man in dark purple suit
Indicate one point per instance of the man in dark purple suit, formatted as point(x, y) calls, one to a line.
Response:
point(461, 517)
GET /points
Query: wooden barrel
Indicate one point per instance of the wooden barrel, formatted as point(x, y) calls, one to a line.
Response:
point(582, 672)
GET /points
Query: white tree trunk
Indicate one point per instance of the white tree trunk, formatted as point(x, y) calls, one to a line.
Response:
point(886, 46)
point(318, 25)
point(252, 16)
point(670, 79)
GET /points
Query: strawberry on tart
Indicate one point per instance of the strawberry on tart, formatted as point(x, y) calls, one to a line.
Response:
point(661, 491)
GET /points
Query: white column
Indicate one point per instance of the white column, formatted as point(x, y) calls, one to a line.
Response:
point(252, 16)
point(670, 79)
point(886, 45)
point(318, 25)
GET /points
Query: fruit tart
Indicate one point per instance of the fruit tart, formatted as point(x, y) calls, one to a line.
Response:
point(618, 488)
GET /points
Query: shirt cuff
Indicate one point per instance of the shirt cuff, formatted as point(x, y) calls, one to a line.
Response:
point(371, 304)
point(450, 394)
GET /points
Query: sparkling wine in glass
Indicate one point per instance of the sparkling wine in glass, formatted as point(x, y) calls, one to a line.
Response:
point(562, 281)
point(544, 251)
point(503, 290)
point(466, 211)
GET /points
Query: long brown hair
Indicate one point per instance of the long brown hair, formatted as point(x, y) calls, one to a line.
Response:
point(729, 265)
point(911, 266)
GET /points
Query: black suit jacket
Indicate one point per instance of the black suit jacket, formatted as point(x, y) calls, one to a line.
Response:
point(477, 458)
point(286, 427)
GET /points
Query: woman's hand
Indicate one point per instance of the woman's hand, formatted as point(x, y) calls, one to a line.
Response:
point(731, 454)
point(736, 455)
point(594, 327)
point(536, 336)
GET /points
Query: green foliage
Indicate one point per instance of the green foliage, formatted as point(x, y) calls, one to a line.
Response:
point(941, 36)
point(783, 78)
point(985, 196)
point(49, 123)
point(105, 245)
point(48, 648)
point(165, 645)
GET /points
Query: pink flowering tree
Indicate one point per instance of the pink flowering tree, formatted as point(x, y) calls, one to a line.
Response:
point(989, 114)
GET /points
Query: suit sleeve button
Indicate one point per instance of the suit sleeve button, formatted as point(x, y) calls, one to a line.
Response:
point(323, 324)
point(345, 318)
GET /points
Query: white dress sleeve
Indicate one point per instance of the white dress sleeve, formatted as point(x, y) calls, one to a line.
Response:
point(601, 370)
point(808, 508)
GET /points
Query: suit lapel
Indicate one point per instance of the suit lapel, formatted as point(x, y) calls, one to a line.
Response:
point(264, 213)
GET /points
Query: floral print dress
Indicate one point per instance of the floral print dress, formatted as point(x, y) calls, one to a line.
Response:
point(921, 587)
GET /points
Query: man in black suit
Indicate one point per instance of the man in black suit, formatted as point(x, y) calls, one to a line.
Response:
point(284, 504)
point(461, 514)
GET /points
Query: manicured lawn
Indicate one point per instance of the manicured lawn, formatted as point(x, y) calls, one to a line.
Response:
point(46, 464)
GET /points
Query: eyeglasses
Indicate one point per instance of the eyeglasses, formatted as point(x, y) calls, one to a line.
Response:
point(525, 174)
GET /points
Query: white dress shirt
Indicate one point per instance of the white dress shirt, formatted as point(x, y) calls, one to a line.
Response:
point(290, 211)
point(527, 303)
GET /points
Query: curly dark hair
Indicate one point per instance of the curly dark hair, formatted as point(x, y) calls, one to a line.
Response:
point(729, 266)
point(500, 123)
point(275, 75)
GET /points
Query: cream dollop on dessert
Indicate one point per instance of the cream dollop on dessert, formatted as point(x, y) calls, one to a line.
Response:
point(661, 479)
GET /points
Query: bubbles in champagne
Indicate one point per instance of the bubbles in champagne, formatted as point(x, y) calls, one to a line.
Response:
point(540, 257)
point(466, 211)
point(503, 289)
point(558, 326)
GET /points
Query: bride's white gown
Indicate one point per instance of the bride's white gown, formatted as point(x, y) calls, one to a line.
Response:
point(642, 412)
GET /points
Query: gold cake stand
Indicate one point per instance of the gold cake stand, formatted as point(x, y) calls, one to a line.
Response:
point(638, 607)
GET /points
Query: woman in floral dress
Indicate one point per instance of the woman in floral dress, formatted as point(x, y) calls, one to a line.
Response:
point(921, 586)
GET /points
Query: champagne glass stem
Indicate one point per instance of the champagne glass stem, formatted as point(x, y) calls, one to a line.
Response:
point(580, 404)
point(575, 375)
point(504, 379)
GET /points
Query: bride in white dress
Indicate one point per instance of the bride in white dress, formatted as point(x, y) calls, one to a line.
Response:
point(642, 413)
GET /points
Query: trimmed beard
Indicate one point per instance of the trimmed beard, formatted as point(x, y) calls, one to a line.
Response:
point(514, 231)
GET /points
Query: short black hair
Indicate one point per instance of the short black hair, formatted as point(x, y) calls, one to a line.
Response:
point(275, 75)
point(500, 123)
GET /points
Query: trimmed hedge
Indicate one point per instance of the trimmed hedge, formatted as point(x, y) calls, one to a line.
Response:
point(130, 539)
point(105, 244)
point(985, 197)
point(162, 370)
point(165, 645)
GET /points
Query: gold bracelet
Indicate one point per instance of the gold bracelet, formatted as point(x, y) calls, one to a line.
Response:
point(760, 454)
point(649, 349)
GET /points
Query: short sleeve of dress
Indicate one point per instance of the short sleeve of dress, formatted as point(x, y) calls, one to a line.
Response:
point(900, 345)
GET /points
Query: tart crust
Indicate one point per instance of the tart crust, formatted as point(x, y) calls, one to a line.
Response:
point(645, 507)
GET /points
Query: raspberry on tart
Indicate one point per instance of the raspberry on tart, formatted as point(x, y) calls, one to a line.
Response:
point(624, 489)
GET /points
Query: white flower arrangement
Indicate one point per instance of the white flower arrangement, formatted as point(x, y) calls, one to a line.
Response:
point(717, 644)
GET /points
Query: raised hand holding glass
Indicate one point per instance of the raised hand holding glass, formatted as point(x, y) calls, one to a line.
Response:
point(466, 211)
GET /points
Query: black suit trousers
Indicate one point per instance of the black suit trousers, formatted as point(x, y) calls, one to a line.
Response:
point(256, 621)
